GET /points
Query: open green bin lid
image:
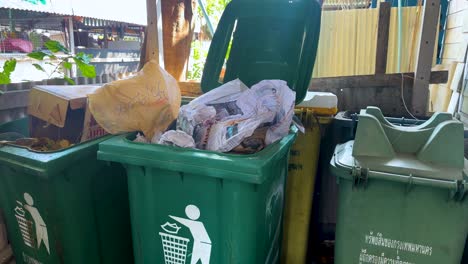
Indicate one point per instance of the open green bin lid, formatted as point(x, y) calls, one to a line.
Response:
point(273, 39)
point(430, 154)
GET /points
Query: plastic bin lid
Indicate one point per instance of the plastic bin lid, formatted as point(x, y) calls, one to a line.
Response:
point(432, 150)
point(280, 42)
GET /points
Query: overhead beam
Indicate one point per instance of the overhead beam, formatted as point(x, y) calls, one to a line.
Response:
point(354, 82)
point(378, 80)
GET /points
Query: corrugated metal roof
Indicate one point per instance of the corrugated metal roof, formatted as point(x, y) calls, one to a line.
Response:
point(128, 11)
point(62, 7)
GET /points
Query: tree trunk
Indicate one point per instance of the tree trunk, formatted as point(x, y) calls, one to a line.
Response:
point(178, 27)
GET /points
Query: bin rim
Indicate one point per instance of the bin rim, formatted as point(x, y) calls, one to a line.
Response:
point(352, 166)
point(46, 164)
point(50, 151)
point(241, 167)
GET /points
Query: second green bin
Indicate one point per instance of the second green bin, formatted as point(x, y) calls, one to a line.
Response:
point(403, 191)
point(64, 206)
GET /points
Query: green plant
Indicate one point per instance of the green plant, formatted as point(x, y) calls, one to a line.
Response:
point(61, 63)
point(199, 54)
point(8, 68)
point(215, 9)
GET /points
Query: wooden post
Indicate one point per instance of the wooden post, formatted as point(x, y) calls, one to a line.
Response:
point(178, 30)
point(153, 38)
point(382, 38)
point(420, 98)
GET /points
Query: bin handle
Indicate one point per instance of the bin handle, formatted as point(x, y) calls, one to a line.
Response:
point(457, 188)
point(413, 180)
point(357, 171)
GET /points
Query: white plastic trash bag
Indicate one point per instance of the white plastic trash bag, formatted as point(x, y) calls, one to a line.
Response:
point(273, 101)
point(221, 119)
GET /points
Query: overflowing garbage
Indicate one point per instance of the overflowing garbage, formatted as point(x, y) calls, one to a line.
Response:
point(234, 118)
point(42, 144)
point(229, 118)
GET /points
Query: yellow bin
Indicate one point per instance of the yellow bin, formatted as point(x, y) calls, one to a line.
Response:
point(315, 113)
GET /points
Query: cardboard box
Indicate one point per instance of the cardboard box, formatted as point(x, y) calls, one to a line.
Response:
point(62, 112)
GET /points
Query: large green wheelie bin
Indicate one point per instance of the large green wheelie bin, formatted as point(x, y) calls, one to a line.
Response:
point(200, 205)
point(402, 192)
point(64, 206)
point(195, 206)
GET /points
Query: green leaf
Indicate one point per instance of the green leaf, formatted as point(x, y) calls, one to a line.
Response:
point(67, 65)
point(38, 55)
point(86, 69)
point(83, 57)
point(69, 80)
point(55, 46)
point(8, 67)
point(4, 78)
point(38, 67)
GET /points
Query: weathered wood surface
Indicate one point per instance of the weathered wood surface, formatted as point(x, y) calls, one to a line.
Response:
point(178, 27)
point(382, 37)
point(420, 98)
point(357, 92)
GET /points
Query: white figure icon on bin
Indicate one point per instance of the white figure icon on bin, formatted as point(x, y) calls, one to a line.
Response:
point(175, 247)
point(26, 226)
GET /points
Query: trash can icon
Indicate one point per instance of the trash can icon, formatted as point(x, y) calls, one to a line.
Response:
point(26, 229)
point(25, 226)
point(175, 247)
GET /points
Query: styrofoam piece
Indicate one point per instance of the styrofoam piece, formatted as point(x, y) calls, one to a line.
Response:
point(320, 100)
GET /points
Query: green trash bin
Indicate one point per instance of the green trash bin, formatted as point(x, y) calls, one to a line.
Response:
point(402, 192)
point(193, 205)
point(64, 206)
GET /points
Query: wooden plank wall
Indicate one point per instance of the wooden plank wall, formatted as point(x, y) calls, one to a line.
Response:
point(347, 44)
point(456, 36)
point(454, 49)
